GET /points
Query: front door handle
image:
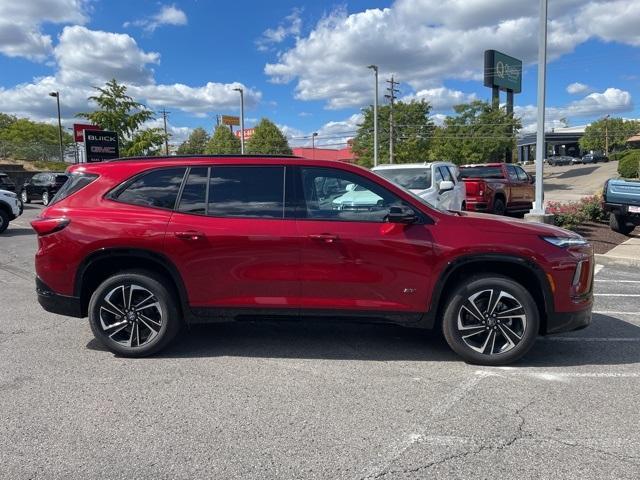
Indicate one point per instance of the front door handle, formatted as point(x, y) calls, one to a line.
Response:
point(189, 235)
point(324, 237)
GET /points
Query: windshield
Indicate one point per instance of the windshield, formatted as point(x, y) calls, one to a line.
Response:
point(414, 179)
point(481, 172)
point(5, 180)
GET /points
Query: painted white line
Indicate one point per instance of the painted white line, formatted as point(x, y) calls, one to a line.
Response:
point(616, 294)
point(614, 312)
point(558, 376)
point(597, 269)
point(617, 281)
point(591, 339)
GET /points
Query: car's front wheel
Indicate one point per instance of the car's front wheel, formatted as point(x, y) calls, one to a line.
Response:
point(134, 314)
point(490, 320)
point(45, 198)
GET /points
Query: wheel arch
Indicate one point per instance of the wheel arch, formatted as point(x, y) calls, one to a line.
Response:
point(98, 266)
point(519, 269)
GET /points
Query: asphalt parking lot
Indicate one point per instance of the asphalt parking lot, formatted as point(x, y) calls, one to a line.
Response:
point(308, 400)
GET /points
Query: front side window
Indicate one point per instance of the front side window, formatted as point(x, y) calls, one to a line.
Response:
point(158, 188)
point(446, 174)
point(246, 191)
point(522, 175)
point(357, 199)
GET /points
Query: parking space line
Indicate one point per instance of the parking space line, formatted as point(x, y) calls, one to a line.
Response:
point(616, 294)
point(553, 375)
point(617, 281)
point(614, 312)
point(597, 269)
point(591, 339)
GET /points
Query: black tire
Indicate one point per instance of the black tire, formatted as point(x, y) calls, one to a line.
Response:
point(499, 207)
point(463, 207)
point(457, 320)
point(25, 197)
point(114, 331)
point(45, 198)
point(4, 220)
point(618, 223)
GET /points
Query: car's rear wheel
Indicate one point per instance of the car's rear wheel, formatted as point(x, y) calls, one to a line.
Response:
point(499, 207)
point(4, 220)
point(25, 197)
point(134, 314)
point(490, 320)
point(45, 198)
point(618, 223)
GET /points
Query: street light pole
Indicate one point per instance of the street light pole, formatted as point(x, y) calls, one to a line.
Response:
point(241, 119)
point(375, 117)
point(313, 144)
point(57, 95)
point(542, 79)
point(606, 135)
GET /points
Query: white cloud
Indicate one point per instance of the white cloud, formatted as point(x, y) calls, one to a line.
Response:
point(289, 27)
point(441, 98)
point(177, 135)
point(427, 41)
point(577, 87)
point(333, 134)
point(197, 100)
point(168, 15)
point(20, 25)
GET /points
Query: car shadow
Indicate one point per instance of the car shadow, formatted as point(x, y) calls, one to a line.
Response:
point(17, 232)
point(577, 172)
point(308, 339)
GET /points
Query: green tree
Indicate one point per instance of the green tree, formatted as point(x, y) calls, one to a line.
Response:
point(617, 129)
point(196, 144)
point(477, 133)
point(7, 120)
point(267, 139)
point(29, 140)
point(149, 142)
point(223, 141)
point(412, 134)
point(120, 113)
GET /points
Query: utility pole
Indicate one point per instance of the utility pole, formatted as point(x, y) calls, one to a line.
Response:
point(166, 137)
point(375, 117)
point(57, 96)
point(606, 135)
point(313, 144)
point(541, 146)
point(391, 96)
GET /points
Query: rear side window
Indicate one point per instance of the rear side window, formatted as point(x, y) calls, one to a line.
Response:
point(511, 171)
point(246, 191)
point(74, 182)
point(61, 178)
point(194, 193)
point(158, 188)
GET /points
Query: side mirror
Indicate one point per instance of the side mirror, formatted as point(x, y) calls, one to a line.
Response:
point(445, 186)
point(401, 215)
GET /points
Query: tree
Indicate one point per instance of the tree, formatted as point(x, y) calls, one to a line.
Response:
point(477, 133)
point(268, 139)
point(195, 144)
point(617, 129)
point(147, 142)
point(7, 120)
point(29, 140)
point(120, 113)
point(413, 130)
point(223, 141)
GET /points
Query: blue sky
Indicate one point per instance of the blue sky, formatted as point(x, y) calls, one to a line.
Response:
point(303, 64)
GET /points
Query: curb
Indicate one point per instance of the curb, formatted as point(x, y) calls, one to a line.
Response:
point(605, 259)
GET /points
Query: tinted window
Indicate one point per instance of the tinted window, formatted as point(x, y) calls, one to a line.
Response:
point(4, 180)
point(481, 172)
point(75, 182)
point(61, 178)
point(446, 174)
point(413, 179)
point(522, 175)
point(158, 188)
point(246, 191)
point(194, 193)
point(357, 200)
point(511, 171)
point(438, 176)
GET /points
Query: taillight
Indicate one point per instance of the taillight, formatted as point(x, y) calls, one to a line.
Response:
point(45, 226)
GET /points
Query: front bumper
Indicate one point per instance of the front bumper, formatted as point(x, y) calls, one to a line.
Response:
point(560, 322)
point(56, 303)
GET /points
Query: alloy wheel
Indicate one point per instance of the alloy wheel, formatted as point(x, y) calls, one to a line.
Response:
point(130, 315)
point(25, 197)
point(491, 322)
point(45, 198)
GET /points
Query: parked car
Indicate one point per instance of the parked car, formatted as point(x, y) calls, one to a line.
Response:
point(10, 208)
point(437, 182)
point(621, 199)
point(559, 160)
point(141, 246)
point(594, 158)
point(498, 188)
point(43, 186)
point(6, 183)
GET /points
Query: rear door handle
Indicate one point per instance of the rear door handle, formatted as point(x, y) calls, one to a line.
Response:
point(190, 235)
point(324, 237)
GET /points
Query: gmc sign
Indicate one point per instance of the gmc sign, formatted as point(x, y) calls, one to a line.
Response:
point(100, 145)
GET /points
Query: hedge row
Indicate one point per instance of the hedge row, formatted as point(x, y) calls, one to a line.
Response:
point(629, 165)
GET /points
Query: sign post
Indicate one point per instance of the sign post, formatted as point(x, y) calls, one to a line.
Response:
point(100, 145)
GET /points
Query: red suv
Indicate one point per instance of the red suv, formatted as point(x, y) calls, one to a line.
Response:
point(142, 245)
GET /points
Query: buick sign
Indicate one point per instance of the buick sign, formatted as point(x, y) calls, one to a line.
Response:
point(100, 145)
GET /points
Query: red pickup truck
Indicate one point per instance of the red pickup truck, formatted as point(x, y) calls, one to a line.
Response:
point(497, 188)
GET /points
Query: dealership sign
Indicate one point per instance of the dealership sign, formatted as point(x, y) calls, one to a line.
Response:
point(100, 145)
point(230, 120)
point(248, 133)
point(502, 71)
point(79, 128)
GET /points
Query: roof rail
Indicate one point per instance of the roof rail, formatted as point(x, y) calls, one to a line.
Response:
point(177, 157)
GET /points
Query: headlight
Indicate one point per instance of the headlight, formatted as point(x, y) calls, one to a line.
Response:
point(565, 241)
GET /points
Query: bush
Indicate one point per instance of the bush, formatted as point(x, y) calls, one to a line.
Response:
point(571, 215)
point(629, 166)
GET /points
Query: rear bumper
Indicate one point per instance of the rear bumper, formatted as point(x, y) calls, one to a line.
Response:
point(56, 303)
point(620, 209)
point(473, 206)
point(560, 322)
